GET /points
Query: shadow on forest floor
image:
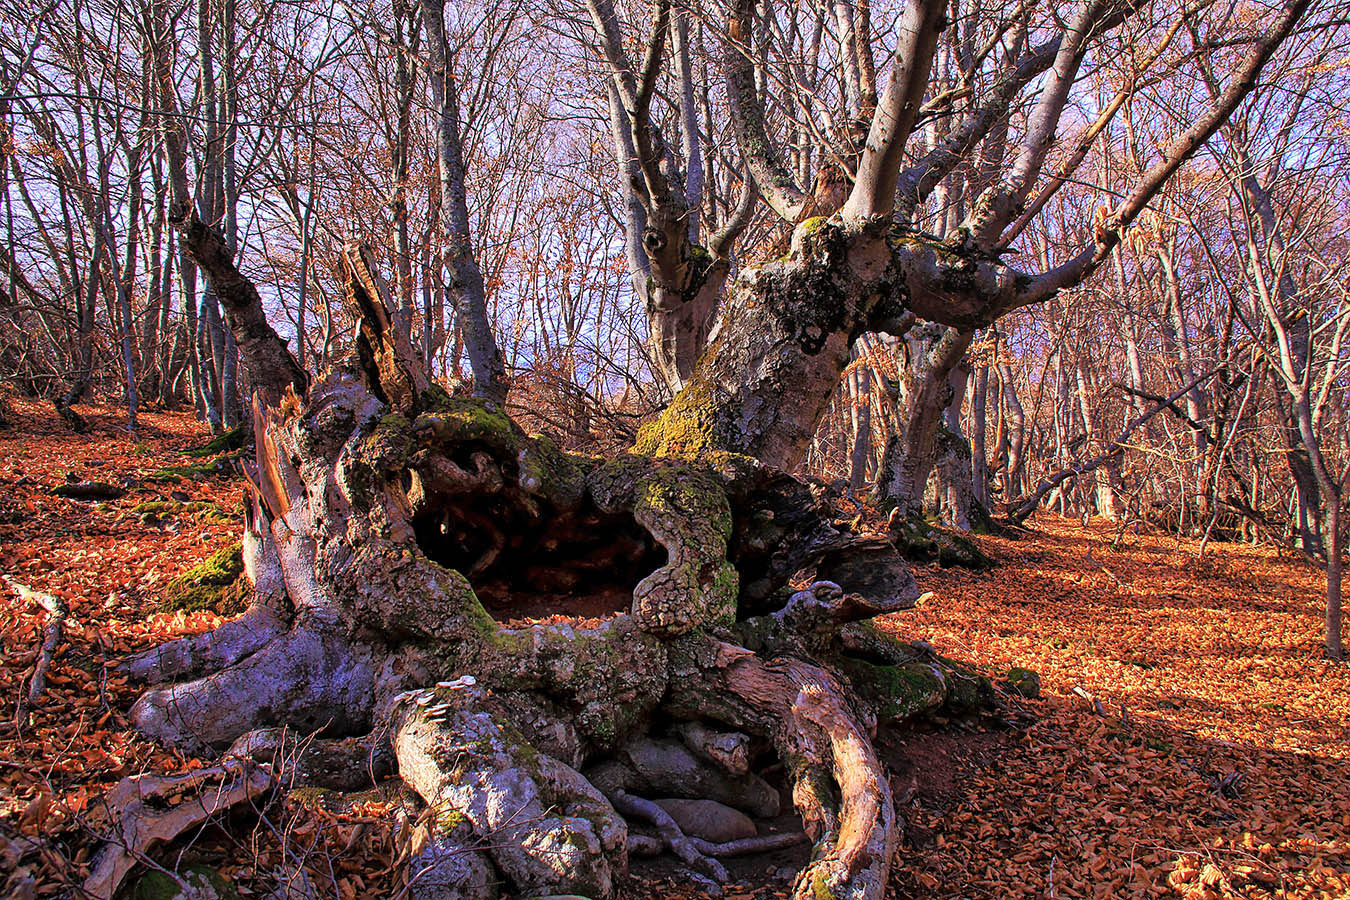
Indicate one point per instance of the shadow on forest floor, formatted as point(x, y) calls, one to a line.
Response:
point(1204, 670)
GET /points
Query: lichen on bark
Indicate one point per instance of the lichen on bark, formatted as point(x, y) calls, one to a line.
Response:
point(418, 538)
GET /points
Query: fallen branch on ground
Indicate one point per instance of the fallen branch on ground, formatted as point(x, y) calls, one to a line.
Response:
point(51, 636)
point(142, 822)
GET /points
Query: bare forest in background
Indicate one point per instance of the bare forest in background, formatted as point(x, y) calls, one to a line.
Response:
point(604, 380)
point(1196, 383)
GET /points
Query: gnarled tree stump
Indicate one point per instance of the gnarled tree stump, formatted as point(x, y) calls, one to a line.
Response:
point(399, 534)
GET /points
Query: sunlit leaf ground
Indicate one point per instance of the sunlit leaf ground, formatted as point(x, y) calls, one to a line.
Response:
point(1204, 669)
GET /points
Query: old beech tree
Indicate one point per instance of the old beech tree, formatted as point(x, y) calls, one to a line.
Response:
point(390, 520)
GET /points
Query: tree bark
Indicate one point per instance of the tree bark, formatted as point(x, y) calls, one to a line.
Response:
point(379, 529)
point(465, 282)
point(926, 392)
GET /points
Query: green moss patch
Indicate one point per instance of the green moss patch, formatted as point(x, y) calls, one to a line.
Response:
point(543, 469)
point(216, 584)
point(159, 510)
point(687, 429)
point(899, 692)
point(225, 464)
point(203, 883)
point(225, 442)
point(1023, 682)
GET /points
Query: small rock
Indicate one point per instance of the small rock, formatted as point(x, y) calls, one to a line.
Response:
point(445, 869)
point(1023, 682)
point(709, 820)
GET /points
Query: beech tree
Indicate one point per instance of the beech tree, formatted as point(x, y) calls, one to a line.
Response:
point(396, 529)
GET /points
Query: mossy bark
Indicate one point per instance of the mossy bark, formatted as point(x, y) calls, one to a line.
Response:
point(781, 346)
point(389, 516)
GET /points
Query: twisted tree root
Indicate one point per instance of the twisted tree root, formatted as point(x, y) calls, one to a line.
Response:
point(728, 750)
point(764, 843)
point(672, 837)
point(807, 714)
point(547, 828)
point(190, 656)
point(307, 678)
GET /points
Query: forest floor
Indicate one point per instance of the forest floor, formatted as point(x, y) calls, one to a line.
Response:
point(1196, 671)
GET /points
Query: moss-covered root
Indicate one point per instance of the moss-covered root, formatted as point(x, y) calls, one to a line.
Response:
point(685, 508)
point(234, 439)
point(540, 468)
point(606, 682)
point(548, 829)
point(215, 584)
point(903, 680)
point(921, 541)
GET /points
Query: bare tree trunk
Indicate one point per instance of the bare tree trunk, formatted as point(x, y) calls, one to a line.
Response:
point(1016, 431)
point(931, 356)
point(231, 407)
point(406, 41)
point(126, 279)
point(155, 328)
point(860, 413)
point(978, 428)
point(1103, 487)
point(86, 306)
point(1335, 562)
point(465, 283)
point(679, 281)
